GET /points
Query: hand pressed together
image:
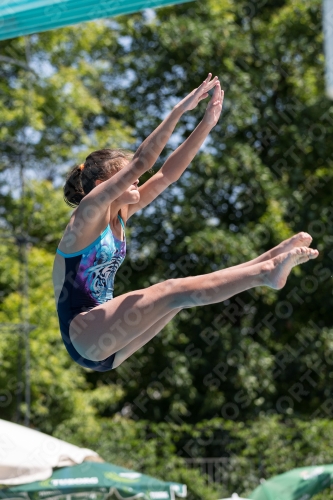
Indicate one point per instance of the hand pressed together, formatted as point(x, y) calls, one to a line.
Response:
point(214, 107)
point(192, 100)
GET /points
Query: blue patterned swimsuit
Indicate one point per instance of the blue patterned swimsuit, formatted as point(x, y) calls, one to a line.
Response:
point(89, 281)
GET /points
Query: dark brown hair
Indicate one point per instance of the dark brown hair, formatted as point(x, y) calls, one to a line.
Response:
point(101, 164)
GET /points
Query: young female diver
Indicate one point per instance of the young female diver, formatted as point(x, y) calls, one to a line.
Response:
point(100, 333)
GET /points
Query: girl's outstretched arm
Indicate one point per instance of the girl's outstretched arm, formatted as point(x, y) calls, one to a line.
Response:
point(179, 160)
point(148, 152)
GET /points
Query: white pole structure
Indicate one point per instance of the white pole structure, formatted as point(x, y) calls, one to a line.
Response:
point(328, 43)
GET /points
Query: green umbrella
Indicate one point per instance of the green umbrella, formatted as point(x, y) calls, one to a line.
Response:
point(97, 477)
point(297, 484)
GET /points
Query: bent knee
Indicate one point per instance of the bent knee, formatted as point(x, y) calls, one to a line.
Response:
point(171, 290)
point(181, 293)
point(167, 286)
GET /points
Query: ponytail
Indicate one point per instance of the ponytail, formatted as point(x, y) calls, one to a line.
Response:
point(73, 190)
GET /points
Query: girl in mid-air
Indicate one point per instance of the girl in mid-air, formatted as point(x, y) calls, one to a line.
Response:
point(101, 331)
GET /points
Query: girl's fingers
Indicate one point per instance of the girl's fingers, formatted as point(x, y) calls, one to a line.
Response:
point(204, 90)
point(217, 90)
point(218, 95)
point(212, 84)
point(207, 84)
point(203, 96)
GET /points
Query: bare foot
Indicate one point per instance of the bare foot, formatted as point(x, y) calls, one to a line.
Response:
point(276, 270)
point(298, 240)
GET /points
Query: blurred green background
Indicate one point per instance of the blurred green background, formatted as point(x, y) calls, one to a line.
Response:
point(249, 380)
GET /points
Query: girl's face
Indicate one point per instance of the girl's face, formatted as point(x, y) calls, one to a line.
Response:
point(131, 195)
point(128, 197)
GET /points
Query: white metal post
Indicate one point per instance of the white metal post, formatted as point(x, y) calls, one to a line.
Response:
point(328, 44)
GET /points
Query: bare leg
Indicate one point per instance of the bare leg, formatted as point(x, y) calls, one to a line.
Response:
point(109, 327)
point(142, 339)
point(298, 240)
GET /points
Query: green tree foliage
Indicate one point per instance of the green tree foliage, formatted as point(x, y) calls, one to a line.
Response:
point(56, 113)
point(261, 449)
point(264, 174)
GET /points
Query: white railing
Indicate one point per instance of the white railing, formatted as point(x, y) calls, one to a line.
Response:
point(216, 470)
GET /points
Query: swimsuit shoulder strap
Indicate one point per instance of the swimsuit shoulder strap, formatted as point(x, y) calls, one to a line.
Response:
point(121, 222)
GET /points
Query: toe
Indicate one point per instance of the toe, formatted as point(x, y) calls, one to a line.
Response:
point(302, 239)
point(313, 254)
point(305, 236)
